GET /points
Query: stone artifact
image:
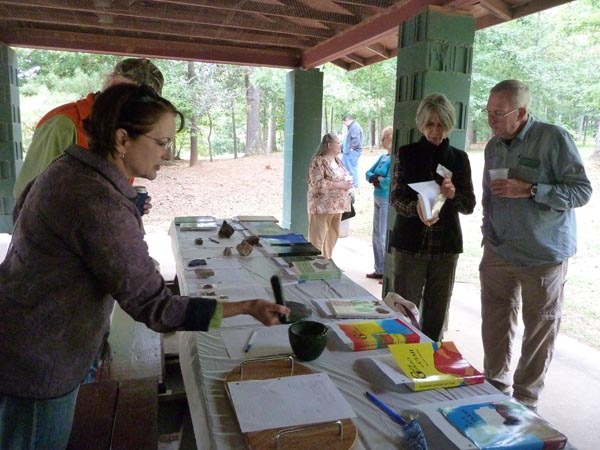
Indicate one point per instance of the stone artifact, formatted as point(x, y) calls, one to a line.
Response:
point(243, 248)
point(227, 251)
point(226, 230)
point(204, 273)
point(252, 240)
point(199, 241)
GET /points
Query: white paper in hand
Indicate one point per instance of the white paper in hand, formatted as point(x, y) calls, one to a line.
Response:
point(430, 199)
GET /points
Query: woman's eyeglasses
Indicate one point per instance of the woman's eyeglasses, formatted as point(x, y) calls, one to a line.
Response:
point(166, 145)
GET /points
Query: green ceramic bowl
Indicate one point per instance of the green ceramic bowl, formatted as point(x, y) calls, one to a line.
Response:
point(308, 339)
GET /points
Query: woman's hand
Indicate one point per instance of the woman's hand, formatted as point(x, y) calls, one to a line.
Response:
point(264, 311)
point(427, 222)
point(447, 189)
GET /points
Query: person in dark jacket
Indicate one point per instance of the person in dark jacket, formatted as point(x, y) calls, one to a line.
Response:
point(78, 246)
point(426, 250)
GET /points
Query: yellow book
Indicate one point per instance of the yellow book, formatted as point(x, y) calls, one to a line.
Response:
point(434, 365)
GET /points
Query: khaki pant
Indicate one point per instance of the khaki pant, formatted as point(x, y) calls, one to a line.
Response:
point(503, 288)
point(323, 231)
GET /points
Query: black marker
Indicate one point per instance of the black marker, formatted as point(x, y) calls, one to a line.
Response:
point(277, 291)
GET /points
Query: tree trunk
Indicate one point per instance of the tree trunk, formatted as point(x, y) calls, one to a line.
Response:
point(372, 132)
point(174, 154)
point(264, 125)
point(271, 136)
point(210, 155)
point(581, 126)
point(193, 140)
point(193, 118)
point(234, 134)
point(331, 119)
point(471, 134)
point(253, 142)
point(596, 154)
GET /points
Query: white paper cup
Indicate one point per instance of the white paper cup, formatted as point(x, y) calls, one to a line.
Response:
point(498, 174)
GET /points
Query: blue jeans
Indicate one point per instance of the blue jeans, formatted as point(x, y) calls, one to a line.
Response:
point(380, 212)
point(350, 160)
point(30, 424)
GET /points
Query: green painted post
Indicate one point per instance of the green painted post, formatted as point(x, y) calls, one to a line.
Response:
point(303, 112)
point(11, 146)
point(435, 54)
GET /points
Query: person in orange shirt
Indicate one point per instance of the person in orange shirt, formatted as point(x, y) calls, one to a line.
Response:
point(63, 126)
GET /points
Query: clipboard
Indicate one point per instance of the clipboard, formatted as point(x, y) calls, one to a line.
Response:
point(338, 435)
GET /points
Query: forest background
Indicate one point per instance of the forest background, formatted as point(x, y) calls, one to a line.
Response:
point(235, 121)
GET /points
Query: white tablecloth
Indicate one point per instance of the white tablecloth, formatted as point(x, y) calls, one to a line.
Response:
point(205, 364)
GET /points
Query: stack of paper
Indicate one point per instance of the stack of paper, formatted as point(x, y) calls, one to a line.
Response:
point(287, 402)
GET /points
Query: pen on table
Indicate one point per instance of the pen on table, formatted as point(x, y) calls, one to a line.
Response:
point(386, 409)
point(413, 434)
point(213, 240)
point(250, 341)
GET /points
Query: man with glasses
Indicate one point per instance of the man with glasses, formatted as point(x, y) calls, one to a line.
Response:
point(63, 126)
point(529, 233)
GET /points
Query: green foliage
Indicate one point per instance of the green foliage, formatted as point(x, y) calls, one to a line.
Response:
point(555, 52)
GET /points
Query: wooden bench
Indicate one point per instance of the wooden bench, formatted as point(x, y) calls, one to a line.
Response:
point(116, 415)
point(120, 410)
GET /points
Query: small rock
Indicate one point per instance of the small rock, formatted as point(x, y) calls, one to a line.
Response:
point(226, 230)
point(252, 240)
point(243, 248)
point(204, 273)
point(227, 251)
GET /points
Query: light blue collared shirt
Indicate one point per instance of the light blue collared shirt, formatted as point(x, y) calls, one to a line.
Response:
point(540, 230)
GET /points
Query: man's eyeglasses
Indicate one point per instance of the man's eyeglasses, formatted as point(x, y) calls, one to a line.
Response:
point(499, 114)
point(166, 145)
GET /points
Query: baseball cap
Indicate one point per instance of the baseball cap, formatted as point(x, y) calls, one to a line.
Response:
point(142, 71)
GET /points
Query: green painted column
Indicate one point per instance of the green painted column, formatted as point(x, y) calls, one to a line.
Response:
point(303, 112)
point(11, 146)
point(435, 54)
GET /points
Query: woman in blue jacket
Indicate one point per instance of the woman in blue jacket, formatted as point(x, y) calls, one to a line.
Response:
point(379, 177)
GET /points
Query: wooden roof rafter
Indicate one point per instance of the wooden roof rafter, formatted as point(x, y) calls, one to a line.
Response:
point(277, 33)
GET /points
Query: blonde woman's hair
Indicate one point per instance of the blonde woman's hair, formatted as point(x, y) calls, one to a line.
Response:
point(440, 105)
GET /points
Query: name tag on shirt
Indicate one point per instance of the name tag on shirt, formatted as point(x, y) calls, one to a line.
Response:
point(529, 162)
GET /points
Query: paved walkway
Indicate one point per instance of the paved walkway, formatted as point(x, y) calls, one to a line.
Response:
point(572, 395)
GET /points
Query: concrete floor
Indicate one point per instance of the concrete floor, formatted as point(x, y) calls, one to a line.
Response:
point(572, 393)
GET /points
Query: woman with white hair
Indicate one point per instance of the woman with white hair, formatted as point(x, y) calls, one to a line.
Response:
point(426, 250)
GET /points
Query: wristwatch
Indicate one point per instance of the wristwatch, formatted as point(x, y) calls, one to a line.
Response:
point(533, 190)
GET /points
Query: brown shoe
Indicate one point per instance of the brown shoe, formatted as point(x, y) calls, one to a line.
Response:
point(375, 276)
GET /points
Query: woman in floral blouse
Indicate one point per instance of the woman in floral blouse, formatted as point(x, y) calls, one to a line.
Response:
point(329, 184)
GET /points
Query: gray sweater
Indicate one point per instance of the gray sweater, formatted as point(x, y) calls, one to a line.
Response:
point(77, 244)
